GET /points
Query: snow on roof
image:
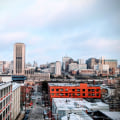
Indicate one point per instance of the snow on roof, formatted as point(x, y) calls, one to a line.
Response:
point(112, 115)
point(76, 117)
point(78, 104)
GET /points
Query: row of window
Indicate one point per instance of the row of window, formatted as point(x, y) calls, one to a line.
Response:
point(5, 113)
point(4, 102)
point(5, 91)
point(73, 94)
point(89, 90)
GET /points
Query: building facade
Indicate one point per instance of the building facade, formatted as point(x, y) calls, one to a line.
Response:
point(19, 58)
point(5, 101)
point(67, 90)
point(15, 101)
point(58, 68)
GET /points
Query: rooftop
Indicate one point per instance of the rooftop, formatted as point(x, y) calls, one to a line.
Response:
point(15, 86)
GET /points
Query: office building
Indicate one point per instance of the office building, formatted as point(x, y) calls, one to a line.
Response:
point(58, 68)
point(5, 101)
point(19, 59)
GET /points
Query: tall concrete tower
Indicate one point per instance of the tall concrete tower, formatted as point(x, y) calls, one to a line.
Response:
point(19, 59)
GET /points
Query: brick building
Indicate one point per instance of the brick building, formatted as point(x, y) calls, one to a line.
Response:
point(69, 90)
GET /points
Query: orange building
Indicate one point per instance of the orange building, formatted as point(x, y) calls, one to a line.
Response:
point(70, 90)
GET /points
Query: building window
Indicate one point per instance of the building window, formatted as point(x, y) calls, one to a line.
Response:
point(97, 90)
point(78, 90)
point(73, 94)
point(66, 94)
point(0, 116)
point(93, 94)
point(89, 94)
point(52, 89)
point(52, 94)
point(57, 94)
point(78, 94)
point(69, 94)
point(83, 94)
point(61, 94)
point(66, 89)
point(61, 89)
point(83, 90)
point(97, 94)
point(89, 90)
point(0, 105)
point(93, 90)
point(57, 89)
point(73, 89)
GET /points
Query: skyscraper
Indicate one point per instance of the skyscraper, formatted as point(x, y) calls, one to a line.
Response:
point(19, 58)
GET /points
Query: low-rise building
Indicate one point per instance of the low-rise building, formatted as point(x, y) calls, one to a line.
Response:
point(65, 106)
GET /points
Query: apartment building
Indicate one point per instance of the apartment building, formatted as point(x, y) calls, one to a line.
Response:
point(70, 90)
point(5, 101)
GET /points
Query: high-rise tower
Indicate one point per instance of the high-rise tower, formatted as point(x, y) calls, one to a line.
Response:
point(19, 59)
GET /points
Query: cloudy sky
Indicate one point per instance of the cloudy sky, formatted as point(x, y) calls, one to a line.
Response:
point(52, 29)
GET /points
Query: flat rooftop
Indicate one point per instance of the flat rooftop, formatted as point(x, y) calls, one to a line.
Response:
point(78, 104)
point(70, 84)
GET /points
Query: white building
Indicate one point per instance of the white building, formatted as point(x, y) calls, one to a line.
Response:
point(58, 68)
point(82, 66)
point(1, 67)
point(15, 100)
point(63, 106)
point(64, 60)
point(73, 66)
point(81, 61)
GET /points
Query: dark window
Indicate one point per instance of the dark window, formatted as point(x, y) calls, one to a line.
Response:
point(73, 89)
point(89, 94)
point(78, 94)
point(0, 116)
point(93, 94)
point(66, 94)
point(89, 90)
point(61, 94)
point(52, 89)
point(57, 89)
point(97, 94)
point(57, 94)
point(83, 94)
point(97, 90)
point(52, 94)
point(83, 90)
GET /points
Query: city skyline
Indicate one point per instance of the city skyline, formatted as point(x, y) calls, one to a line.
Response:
point(53, 29)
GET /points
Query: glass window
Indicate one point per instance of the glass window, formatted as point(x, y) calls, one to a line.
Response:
point(73, 89)
point(97, 94)
point(83, 94)
point(66, 94)
point(52, 89)
point(78, 94)
point(61, 89)
point(89, 90)
point(66, 89)
point(57, 89)
point(61, 94)
point(83, 90)
point(89, 94)
point(93, 94)
point(93, 90)
point(73, 94)
point(97, 90)
point(52, 94)
point(78, 90)
point(57, 94)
